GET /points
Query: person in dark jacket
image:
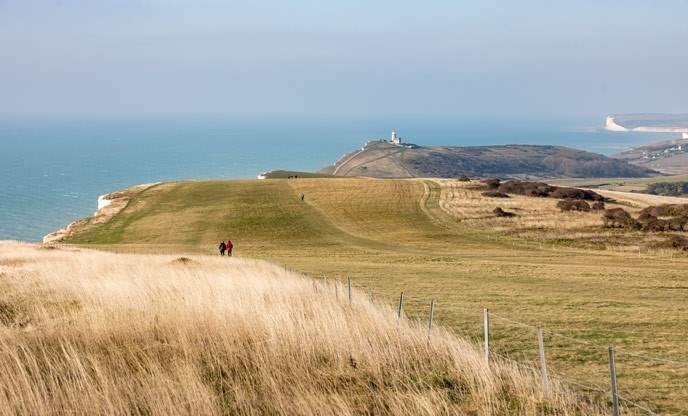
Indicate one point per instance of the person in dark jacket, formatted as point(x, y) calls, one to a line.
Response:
point(222, 247)
point(230, 247)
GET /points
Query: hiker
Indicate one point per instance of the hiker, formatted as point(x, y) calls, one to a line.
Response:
point(229, 246)
point(222, 247)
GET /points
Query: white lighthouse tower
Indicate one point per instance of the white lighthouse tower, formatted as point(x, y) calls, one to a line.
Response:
point(395, 139)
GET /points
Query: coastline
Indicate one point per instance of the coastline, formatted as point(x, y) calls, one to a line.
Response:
point(109, 205)
point(612, 125)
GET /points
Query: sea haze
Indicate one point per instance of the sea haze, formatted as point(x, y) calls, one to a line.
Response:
point(52, 169)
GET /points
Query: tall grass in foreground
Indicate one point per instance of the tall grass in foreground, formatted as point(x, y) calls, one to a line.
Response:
point(85, 332)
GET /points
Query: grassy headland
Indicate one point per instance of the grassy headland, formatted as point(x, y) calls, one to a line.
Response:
point(437, 240)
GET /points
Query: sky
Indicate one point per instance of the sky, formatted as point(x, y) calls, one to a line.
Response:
point(352, 57)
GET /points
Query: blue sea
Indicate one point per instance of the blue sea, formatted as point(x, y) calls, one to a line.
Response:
point(52, 169)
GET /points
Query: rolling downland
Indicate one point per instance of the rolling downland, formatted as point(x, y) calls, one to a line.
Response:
point(437, 239)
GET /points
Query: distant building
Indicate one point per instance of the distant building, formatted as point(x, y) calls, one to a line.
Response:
point(395, 139)
point(684, 135)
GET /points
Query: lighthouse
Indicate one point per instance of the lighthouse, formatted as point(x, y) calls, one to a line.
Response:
point(395, 139)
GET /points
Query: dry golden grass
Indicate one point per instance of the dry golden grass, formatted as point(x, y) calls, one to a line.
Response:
point(539, 219)
point(85, 332)
point(465, 203)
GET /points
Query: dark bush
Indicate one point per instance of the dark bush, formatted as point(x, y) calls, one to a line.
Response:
point(573, 205)
point(598, 206)
point(649, 222)
point(668, 188)
point(464, 179)
point(538, 189)
point(678, 241)
point(678, 223)
point(495, 194)
point(491, 183)
point(575, 193)
point(499, 212)
point(667, 210)
point(654, 225)
point(645, 217)
point(618, 217)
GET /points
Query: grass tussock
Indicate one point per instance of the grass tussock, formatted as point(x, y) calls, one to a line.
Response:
point(90, 332)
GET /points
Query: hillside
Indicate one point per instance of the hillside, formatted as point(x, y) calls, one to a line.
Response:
point(87, 332)
point(648, 122)
point(668, 156)
point(381, 159)
point(438, 239)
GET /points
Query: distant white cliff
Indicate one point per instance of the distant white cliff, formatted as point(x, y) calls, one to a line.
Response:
point(610, 125)
point(649, 123)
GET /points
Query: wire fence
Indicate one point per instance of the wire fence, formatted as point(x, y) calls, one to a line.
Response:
point(550, 353)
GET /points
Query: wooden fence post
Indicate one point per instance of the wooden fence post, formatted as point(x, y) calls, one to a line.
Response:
point(370, 295)
point(430, 316)
point(543, 363)
point(486, 333)
point(349, 284)
point(401, 305)
point(612, 379)
point(336, 290)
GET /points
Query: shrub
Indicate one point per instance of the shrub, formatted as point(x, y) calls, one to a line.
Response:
point(598, 206)
point(499, 212)
point(573, 205)
point(618, 217)
point(464, 179)
point(668, 188)
point(495, 194)
point(654, 225)
point(491, 183)
point(678, 241)
point(575, 193)
point(538, 189)
point(678, 223)
point(541, 189)
point(667, 210)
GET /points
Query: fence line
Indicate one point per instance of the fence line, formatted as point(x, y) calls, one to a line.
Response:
point(540, 331)
point(591, 387)
point(623, 350)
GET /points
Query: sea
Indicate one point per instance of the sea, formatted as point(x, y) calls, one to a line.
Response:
point(53, 168)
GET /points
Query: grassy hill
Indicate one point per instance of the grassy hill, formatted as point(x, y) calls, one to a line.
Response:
point(650, 121)
point(381, 159)
point(437, 239)
point(87, 332)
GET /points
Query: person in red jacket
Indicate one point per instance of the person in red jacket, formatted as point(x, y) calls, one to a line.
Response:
point(230, 246)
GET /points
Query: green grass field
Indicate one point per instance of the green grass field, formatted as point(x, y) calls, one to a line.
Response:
point(392, 236)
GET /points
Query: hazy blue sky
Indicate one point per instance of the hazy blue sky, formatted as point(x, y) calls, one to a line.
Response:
point(344, 57)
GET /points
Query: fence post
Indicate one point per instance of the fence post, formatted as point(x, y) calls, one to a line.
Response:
point(430, 316)
point(349, 284)
point(486, 333)
point(401, 305)
point(543, 363)
point(336, 290)
point(612, 377)
point(370, 295)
